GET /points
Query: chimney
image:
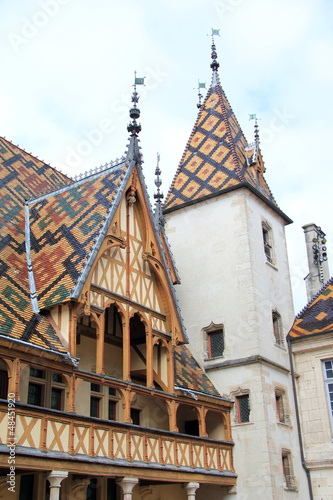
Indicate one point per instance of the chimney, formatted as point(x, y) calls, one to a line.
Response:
point(316, 249)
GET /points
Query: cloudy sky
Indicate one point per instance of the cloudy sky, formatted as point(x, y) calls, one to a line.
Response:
point(67, 69)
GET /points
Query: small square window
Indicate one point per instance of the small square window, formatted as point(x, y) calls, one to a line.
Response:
point(35, 392)
point(112, 410)
point(243, 408)
point(95, 387)
point(35, 372)
point(215, 344)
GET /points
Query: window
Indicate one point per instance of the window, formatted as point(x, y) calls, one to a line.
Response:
point(328, 371)
point(277, 328)
point(268, 241)
point(95, 400)
point(287, 468)
point(215, 344)
point(46, 389)
point(213, 337)
point(282, 414)
point(243, 408)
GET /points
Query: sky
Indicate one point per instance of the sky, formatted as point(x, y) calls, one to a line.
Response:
point(67, 74)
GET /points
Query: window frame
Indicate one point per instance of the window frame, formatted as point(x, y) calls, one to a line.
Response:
point(268, 242)
point(278, 328)
point(288, 470)
point(209, 338)
point(329, 395)
point(238, 398)
point(45, 380)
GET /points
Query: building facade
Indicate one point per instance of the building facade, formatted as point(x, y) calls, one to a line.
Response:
point(227, 235)
point(100, 397)
point(311, 343)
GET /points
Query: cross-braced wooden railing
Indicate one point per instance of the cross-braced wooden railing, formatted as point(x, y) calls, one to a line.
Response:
point(53, 431)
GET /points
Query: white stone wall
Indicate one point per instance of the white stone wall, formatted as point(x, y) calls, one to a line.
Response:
point(225, 279)
point(317, 432)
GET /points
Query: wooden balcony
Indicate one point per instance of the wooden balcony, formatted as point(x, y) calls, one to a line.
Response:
point(60, 435)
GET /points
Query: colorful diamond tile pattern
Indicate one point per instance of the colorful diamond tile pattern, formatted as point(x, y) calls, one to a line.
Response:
point(189, 375)
point(63, 229)
point(21, 177)
point(317, 317)
point(214, 158)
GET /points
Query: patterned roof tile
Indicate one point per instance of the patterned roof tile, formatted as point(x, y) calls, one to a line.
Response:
point(317, 316)
point(189, 375)
point(218, 143)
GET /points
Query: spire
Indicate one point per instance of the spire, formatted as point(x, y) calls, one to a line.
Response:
point(134, 127)
point(217, 156)
point(159, 195)
point(201, 85)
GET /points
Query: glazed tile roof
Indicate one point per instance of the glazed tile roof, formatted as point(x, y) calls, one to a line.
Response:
point(316, 317)
point(214, 159)
point(189, 375)
point(64, 227)
point(21, 177)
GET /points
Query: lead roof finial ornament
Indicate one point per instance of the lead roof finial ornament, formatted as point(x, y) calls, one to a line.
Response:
point(159, 195)
point(134, 127)
point(214, 64)
point(201, 85)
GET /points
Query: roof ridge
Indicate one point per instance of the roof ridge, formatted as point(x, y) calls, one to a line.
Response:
point(329, 282)
point(221, 94)
point(80, 178)
point(187, 146)
point(11, 144)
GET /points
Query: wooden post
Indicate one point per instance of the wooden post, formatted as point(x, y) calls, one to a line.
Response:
point(100, 344)
point(149, 354)
point(126, 348)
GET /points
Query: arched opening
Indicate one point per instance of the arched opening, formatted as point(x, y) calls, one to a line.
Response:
point(113, 342)
point(138, 349)
point(215, 425)
point(86, 342)
point(149, 412)
point(187, 420)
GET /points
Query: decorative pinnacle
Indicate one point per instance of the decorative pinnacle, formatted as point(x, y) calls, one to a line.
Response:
point(158, 196)
point(134, 128)
point(214, 64)
point(200, 86)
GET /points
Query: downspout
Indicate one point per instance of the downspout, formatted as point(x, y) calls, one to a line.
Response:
point(307, 472)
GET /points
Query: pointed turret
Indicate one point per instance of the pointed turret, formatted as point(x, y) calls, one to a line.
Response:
point(216, 156)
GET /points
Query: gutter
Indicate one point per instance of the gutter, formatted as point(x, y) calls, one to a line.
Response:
point(307, 472)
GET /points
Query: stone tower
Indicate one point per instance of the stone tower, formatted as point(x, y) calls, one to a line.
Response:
point(227, 235)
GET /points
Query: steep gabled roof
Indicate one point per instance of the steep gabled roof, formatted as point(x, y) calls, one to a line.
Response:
point(215, 159)
point(64, 227)
point(317, 317)
point(21, 177)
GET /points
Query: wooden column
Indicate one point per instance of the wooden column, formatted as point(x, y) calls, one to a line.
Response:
point(149, 355)
point(100, 344)
point(172, 411)
point(202, 421)
point(73, 312)
point(126, 347)
point(15, 368)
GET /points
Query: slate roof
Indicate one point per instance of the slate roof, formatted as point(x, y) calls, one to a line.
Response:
point(317, 317)
point(215, 158)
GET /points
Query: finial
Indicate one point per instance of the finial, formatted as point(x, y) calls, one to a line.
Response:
point(158, 196)
point(319, 251)
point(134, 128)
point(214, 64)
point(200, 86)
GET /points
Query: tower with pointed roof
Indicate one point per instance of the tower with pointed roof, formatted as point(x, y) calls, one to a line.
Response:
point(227, 234)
